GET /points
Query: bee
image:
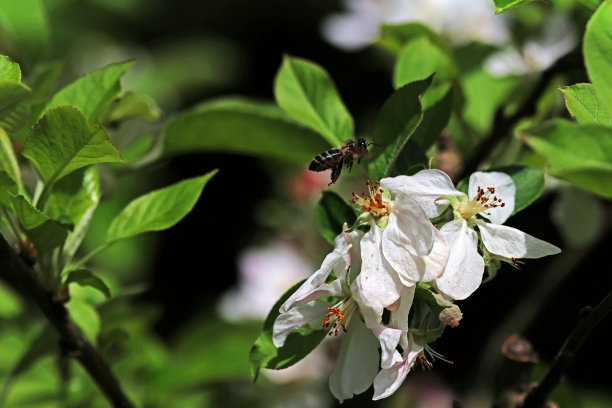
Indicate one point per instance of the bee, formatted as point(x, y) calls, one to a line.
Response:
point(334, 159)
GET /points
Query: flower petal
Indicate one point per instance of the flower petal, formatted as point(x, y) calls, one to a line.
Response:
point(465, 267)
point(376, 281)
point(315, 287)
point(295, 318)
point(357, 362)
point(504, 189)
point(425, 187)
point(399, 317)
point(389, 380)
point(512, 243)
point(388, 337)
point(412, 268)
point(409, 227)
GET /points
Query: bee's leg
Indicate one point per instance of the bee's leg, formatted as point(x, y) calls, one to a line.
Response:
point(350, 165)
point(335, 174)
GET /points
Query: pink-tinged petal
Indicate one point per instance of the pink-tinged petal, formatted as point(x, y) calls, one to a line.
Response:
point(354, 238)
point(504, 189)
point(465, 267)
point(357, 362)
point(512, 243)
point(412, 268)
point(295, 318)
point(389, 380)
point(315, 287)
point(425, 187)
point(376, 281)
point(409, 227)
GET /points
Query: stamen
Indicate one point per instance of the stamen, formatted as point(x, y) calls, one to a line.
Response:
point(338, 316)
point(373, 202)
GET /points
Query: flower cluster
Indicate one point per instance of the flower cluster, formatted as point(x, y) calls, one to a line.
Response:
point(390, 291)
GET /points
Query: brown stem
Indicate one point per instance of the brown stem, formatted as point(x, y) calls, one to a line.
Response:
point(537, 396)
point(21, 277)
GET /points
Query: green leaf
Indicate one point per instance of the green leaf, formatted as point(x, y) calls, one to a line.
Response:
point(130, 105)
point(581, 154)
point(419, 59)
point(306, 92)
point(158, 210)
point(504, 5)
point(264, 354)
point(596, 49)
point(86, 278)
point(234, 125)
point(583, 102)
point(529, 183)
point(9, 70)
point(44, 232)
point(26, 21)
point(91, 92)
point(8, 160)
point(86, 318)
point(330, 215)
point(62, 141)
point(8, 188)
point(14, 105)
point(398, 118)
point(75, 196)
point(10, 302)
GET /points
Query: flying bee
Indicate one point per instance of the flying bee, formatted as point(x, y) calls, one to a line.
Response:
point(334, 159)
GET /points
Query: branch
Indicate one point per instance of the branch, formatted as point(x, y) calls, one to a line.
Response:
point(590, 319)
point(21, 277)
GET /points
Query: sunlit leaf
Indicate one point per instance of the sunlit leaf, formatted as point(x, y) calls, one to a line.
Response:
point(158, 210)
point(596, 49)
point(44, 232)
point(8, 160)
point(393, 37)
point(419, 59)
point(330, 215)
point(9, 70)
point(240, 126)
point(91, 92)
point(504, 5)
point(14, 105)
point(8, 188)
point(306, 92)
point(86, 278)
point(584, 104)
point(581, 154)
point(75, 196)
point(397, 121)
point(62, 141)
point(264, 354)
point(127, 106)
point(86, 317)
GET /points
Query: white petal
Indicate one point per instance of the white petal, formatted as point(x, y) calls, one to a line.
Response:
point(512, 243)
point(357, 362)
point(504, 189)
point(409, 227)
point(424, 187)
point(315, 287)
point(388, 337)
point(465, 267)
point(399, 317)
point(389, 380)
point(376, 281)
point(295, 318)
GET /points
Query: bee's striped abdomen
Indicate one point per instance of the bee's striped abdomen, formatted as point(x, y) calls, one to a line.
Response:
point(325, 160)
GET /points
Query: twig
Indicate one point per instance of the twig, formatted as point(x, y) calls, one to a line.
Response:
point(21, 277)
point(590, 319)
